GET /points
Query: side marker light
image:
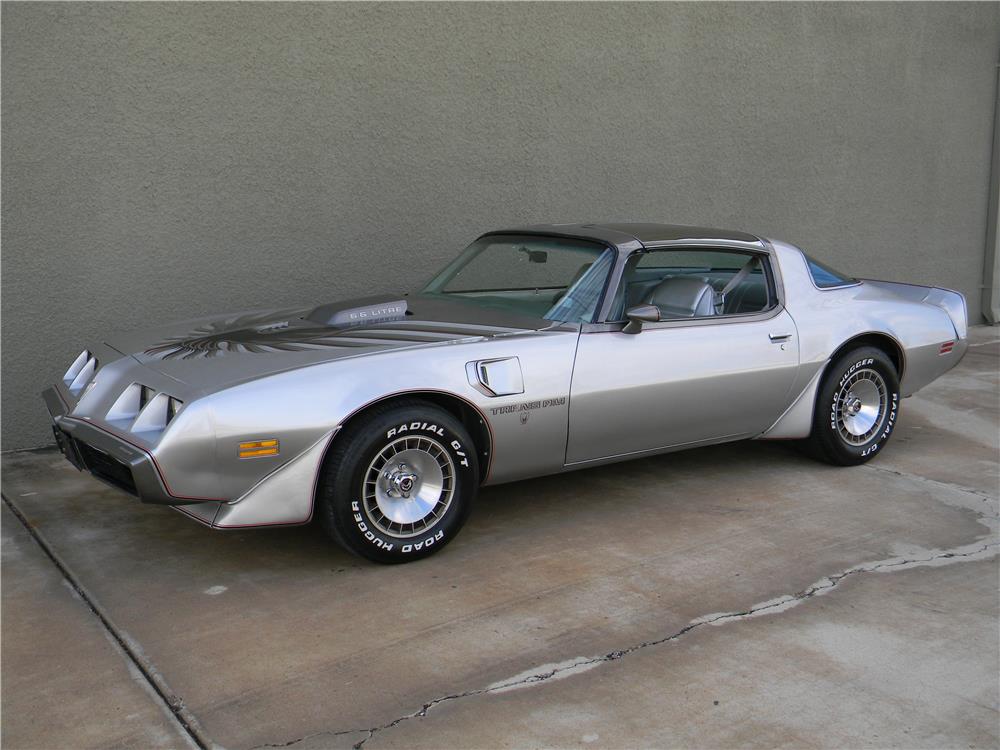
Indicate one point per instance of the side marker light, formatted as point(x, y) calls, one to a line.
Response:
point(256, 448)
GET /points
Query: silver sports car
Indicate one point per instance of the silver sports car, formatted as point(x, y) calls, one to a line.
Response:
point(539, 349)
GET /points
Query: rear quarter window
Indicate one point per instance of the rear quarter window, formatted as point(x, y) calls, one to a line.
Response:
point(825, 277)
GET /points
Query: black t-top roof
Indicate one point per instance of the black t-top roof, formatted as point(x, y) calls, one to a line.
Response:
point(628, 233)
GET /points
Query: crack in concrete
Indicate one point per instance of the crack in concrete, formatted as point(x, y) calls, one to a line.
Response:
point(324, 733)
point(977, 550)
point(978, 494)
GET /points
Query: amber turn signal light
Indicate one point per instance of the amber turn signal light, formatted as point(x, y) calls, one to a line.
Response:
point(259, 448)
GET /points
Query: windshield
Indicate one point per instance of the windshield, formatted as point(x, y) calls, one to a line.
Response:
point(545, 277)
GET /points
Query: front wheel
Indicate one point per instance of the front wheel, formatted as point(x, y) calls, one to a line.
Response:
point(399, 482)
point(856, 408)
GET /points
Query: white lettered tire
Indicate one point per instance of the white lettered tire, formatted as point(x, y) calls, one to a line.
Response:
point(857, 408)
point(399, 482)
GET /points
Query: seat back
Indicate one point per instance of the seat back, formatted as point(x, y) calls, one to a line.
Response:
point(683, 297)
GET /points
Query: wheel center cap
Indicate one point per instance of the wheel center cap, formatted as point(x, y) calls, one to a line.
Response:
point(400, 481)
point(855, 406)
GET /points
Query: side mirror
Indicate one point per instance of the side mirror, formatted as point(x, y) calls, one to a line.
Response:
point(641, 314)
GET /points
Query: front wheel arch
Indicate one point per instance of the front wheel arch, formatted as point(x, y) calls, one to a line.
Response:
point(465, 411)
point(360, 510)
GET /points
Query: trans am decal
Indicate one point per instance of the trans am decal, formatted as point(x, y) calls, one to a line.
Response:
point(529, 406)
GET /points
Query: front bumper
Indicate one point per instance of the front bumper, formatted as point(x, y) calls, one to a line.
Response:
point(107, 457)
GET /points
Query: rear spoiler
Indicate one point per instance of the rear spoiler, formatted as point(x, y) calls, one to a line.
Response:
point(950, 301)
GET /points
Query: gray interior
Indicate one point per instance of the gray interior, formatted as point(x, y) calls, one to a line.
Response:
point(683, 297)
point(683, 292)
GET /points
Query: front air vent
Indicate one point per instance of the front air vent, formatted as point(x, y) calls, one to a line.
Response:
point(153, 416)
point(129, 404)
point(173, 406)
point(80, 372)
point(142, 409)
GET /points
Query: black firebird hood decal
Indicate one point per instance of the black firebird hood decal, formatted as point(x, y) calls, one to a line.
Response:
point(267, 333)
point(251, 334)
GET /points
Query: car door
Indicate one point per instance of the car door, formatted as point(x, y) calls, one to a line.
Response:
point(680, 382)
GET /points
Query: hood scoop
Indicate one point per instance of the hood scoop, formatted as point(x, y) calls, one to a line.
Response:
point(336, 315)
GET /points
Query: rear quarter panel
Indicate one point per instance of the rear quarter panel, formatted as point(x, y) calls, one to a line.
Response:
point(828, 318)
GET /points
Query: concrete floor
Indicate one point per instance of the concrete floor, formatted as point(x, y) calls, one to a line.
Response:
point(740, 595)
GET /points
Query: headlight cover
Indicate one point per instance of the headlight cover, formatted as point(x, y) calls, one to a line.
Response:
point(142, 409)
point(80, 372)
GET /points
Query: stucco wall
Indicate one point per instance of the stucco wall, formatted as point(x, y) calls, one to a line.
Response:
point(164, 161)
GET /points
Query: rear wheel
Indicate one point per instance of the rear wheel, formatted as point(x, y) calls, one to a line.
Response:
point(856, 408)
point(399, 482)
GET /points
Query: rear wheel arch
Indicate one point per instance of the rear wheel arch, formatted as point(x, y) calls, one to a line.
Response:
point(881, 341)
point(856, 403)
point(878, 340)
point(799, 420)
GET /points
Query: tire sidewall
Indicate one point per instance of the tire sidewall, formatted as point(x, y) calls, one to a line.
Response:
point(345, 501)
point(839, 373)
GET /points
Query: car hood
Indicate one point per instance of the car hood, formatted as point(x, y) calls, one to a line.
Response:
point(209, 353)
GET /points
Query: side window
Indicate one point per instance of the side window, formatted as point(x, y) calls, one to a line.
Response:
point(825, 277)
point(696, 283)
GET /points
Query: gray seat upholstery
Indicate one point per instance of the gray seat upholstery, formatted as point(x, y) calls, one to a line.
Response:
point(683, 297)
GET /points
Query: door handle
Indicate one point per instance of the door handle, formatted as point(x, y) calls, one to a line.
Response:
point(777, 337)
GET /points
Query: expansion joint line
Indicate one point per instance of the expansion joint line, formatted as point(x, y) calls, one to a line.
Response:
point(171, 702)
